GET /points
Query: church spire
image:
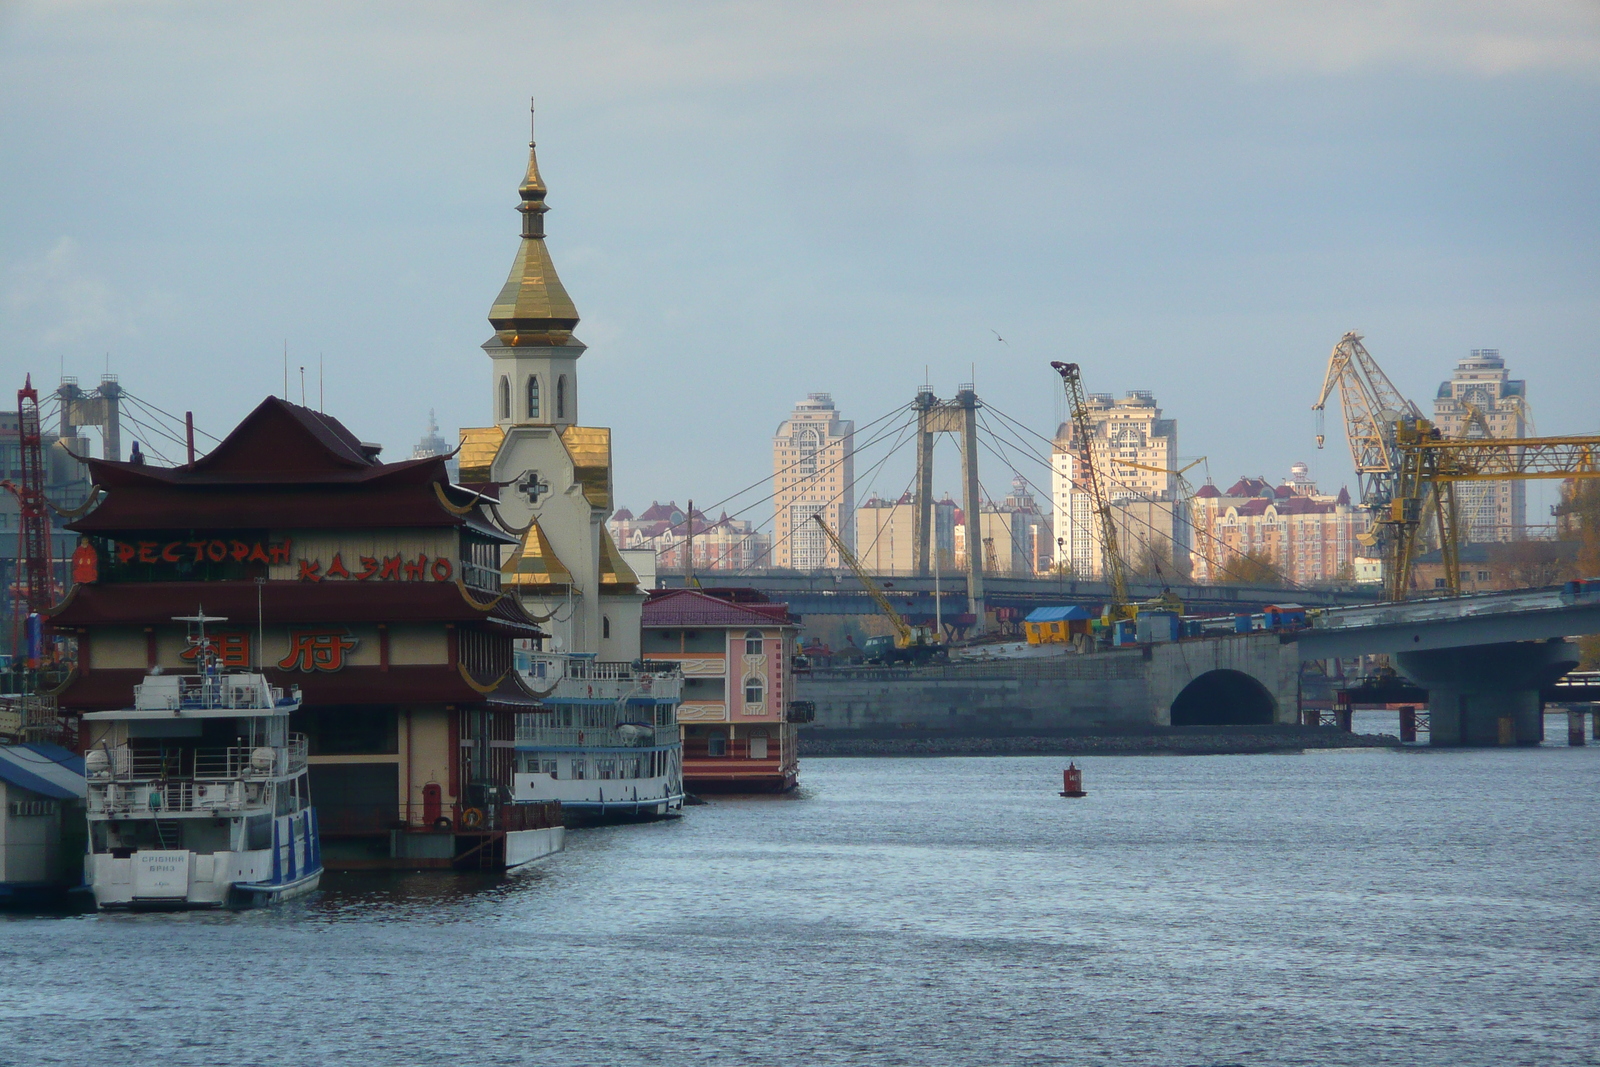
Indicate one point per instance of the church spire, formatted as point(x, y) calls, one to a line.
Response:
point(533, 308)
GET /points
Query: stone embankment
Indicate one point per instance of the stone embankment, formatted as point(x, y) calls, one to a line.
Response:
point(1243, 740)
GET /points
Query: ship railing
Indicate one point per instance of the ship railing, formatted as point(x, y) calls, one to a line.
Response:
point(595, 737)
point(204, 691)
point(175, 796)
point(236, 762)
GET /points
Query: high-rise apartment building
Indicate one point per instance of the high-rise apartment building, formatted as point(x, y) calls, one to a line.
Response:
point(1134, 451)
point(886, 535)
point(813, 472)
point(1481, 386)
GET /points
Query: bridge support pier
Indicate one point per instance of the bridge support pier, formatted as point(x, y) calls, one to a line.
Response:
point(1470, 690)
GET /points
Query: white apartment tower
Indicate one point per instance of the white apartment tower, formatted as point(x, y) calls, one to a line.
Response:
point(1481, 385)
point(813, 471)
point(1134, 451)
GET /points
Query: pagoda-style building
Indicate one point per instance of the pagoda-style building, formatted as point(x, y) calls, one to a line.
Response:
point(373, 587)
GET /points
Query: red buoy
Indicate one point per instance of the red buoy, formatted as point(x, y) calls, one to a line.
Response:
point(1072, 782)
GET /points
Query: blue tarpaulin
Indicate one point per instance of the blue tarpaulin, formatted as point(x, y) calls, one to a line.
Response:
point(1074, 613)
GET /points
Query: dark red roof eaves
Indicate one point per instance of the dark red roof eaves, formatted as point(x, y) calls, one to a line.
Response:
point(155, 603)
point(131, 510)
point(685, 607)
point(105, 690)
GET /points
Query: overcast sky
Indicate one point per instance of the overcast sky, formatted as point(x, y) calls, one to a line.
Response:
point(752, 201)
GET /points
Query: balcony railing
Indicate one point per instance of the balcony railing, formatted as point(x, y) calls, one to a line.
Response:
point(626, 736)
point(580, 678)
point(477, 576)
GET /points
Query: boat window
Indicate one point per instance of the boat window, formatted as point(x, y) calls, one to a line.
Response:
point(752, 642)
point(258, 832)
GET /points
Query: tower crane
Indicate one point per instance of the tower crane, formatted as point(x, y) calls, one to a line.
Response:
point(36, 584)
point(1116, 569)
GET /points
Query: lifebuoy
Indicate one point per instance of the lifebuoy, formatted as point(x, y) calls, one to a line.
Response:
point(472, 818)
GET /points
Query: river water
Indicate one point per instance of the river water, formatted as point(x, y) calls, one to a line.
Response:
point(1343, 907)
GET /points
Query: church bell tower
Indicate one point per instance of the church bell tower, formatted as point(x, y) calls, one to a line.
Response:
point(533, 352)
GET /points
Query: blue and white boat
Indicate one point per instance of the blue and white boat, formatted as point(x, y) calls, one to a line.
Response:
point(198, 795)
point(607, 743)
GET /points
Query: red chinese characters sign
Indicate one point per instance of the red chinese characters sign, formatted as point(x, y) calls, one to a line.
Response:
point(371, 568)
point(321, 650)
point(213, 550)
point(232, 649)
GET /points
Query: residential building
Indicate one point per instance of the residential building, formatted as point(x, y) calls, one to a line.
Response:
point(1134, 451)
point(1481, 399)
point(813, 472)
point(886, 534)
point(1290, 532)
point(1497, 566)
point(724, 544)
point(737, 651)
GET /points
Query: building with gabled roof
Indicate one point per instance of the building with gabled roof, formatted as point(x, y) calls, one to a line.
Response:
point(1305, 537)
point(736, 650)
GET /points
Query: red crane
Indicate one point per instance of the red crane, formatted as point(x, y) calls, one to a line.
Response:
point(35, 584)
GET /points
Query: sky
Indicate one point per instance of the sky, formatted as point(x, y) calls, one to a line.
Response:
point(755, 201)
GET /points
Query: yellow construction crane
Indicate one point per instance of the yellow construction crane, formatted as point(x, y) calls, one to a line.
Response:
point(1116, 569)
point(1430, 466)
point(1408, 470)
point(910, 643)
point(1168, 600)
point(1372, 408)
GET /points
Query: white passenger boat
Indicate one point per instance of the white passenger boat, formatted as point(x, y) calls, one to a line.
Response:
point(607, 746)
point(198, 794)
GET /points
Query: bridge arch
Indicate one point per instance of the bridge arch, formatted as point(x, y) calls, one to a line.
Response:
point(1224, 697)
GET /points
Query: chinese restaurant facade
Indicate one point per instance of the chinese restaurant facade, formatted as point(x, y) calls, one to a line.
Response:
point(373, 587)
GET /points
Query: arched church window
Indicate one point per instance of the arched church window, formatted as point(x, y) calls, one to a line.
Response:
point(605, 627)
point(533, 397)
point(561, 397)
point(505, 398)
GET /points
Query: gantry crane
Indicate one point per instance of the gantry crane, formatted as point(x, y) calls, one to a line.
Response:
point(910, 643)
point(1407, 469)
point(1431, 464)
point(1116, 568)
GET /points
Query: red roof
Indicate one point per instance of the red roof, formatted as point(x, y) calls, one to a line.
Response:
point(1247, 487)
point(1208, 492)
point(690, 608)
point(284, 466)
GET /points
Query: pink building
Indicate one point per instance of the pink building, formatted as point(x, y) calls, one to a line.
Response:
point(1307, 537)
point(736, 650)
point(726, 544)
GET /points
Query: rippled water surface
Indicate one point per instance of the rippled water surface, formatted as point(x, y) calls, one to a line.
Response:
point(1353, 907)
